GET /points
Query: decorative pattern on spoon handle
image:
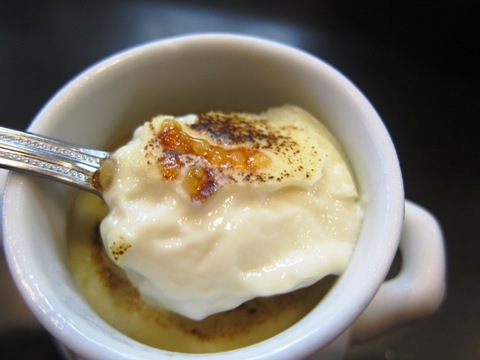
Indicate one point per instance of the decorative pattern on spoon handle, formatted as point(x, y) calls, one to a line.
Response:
point(51, 158)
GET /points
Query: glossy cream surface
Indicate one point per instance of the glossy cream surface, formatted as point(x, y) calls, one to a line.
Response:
point(208, 211)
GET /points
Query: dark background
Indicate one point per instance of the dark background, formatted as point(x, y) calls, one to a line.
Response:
point(415, 61)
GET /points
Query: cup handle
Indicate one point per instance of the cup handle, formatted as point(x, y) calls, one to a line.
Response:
point(419, 288)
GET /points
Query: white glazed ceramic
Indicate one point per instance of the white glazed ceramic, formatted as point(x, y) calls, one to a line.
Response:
point(225, 72)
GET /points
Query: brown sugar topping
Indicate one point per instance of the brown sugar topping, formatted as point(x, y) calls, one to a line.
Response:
point(230, 148)
point(200, 181)
point(173, 138)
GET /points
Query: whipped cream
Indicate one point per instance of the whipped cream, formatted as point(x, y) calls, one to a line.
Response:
point(209, 211)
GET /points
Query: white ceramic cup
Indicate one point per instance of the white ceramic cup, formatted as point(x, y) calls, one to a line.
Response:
point(226, 72)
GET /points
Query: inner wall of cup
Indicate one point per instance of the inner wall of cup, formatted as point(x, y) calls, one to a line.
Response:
point(108, 101)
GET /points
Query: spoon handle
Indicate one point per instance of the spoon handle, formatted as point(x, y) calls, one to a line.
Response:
point(51, 158)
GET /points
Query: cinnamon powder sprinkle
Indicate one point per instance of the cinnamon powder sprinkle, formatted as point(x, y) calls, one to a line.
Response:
point(236, 150)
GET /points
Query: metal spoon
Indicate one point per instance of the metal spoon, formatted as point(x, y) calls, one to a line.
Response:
point(51, 158)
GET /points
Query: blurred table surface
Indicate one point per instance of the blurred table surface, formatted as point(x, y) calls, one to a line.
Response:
point(416, 62)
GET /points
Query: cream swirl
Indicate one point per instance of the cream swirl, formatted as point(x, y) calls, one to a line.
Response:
point(208, 211)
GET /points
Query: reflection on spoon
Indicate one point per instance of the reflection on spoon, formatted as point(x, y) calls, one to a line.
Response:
point(55, 160)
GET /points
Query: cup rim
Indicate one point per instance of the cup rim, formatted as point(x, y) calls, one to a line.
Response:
point(292, 344)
